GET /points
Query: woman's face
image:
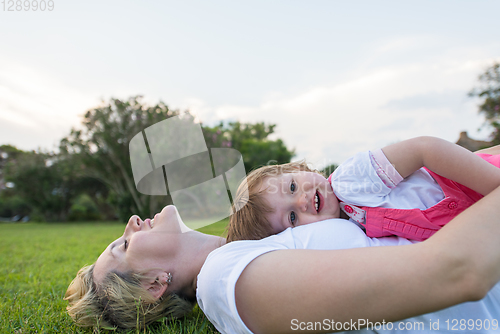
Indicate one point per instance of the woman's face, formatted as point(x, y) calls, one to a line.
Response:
point(144, 246)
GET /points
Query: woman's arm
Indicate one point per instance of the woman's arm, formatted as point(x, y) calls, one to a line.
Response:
point(460, 263)
point(446, 159)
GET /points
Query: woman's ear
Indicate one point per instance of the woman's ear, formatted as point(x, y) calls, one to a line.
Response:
point(158, 287)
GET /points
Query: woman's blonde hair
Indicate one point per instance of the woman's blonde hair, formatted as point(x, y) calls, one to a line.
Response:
point(120, 301)
point(250, 222)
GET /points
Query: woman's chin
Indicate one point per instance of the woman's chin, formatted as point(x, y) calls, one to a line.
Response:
point(169, 210)
point(172, 217)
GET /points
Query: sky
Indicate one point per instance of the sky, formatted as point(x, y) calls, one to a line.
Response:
point(337, 77)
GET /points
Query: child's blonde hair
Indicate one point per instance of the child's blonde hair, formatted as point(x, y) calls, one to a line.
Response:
point(250, 221)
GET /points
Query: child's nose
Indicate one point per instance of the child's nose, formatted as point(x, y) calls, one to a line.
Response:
point(302, 202)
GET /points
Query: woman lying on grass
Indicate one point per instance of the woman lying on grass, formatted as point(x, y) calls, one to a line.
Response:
point(299, 278)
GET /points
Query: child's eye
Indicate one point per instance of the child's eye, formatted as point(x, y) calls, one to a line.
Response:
point(125, 244)
point(292, 218)
point(292, 186)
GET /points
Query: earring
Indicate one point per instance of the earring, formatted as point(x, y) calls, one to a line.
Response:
point(169, 278)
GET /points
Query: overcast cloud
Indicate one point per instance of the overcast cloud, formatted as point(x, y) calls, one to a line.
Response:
point(336, 77)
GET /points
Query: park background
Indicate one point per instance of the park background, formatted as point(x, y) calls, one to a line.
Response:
point(277, 80)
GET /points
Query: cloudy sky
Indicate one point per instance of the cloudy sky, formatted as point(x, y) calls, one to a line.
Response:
point(337, 77)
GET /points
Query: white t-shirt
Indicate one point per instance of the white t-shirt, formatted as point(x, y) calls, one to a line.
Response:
point(218, 276)
point(356, 182)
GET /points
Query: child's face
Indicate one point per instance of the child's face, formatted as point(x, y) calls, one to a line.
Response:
point(298, 199)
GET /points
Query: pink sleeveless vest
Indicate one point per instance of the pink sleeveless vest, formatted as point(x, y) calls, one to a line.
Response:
point(419, 224)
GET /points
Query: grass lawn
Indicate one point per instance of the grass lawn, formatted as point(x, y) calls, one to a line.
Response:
point(37, 263)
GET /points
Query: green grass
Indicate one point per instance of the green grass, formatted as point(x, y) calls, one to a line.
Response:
point(37, 263)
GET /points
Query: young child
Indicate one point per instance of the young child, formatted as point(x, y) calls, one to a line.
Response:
point(385, 192)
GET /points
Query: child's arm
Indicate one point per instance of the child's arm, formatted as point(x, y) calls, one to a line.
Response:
point(494, 150)
point(446, 159)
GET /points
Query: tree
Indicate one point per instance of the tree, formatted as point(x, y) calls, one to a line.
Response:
point(39, 183)
point(44, 186)
point(489, 92)
point(251, 140)
point(8, 153)
point(101, 148)
point(326, 171)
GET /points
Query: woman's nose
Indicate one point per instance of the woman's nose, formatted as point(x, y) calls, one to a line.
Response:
point(134, 223)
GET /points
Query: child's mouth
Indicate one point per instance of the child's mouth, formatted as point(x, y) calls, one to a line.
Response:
point(317, 201)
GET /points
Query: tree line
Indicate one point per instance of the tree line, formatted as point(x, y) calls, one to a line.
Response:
point(90, 178)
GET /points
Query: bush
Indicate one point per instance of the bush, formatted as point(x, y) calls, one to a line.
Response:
point(37, 216)
point(14, 206)
point(83, 208)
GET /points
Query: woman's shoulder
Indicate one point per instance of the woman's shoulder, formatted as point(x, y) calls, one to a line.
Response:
point(230, 260)
point(217, 280)
point(237, 254)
